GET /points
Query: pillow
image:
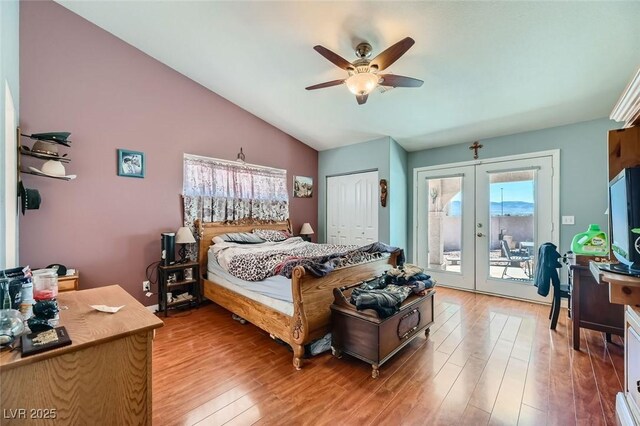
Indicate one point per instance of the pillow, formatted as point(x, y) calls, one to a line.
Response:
point(240, 238)
point(271, 234)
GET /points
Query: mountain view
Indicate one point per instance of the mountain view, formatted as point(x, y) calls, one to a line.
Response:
point(508, 208)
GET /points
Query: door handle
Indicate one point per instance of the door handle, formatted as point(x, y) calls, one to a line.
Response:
point(638, 385)
point(480, 234)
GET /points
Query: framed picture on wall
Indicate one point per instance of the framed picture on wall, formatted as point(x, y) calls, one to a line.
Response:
point(302, 186)
point(130, 163)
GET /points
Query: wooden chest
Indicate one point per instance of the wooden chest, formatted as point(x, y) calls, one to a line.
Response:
point(364, 335)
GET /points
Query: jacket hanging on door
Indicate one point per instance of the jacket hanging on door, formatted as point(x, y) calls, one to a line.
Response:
point(547, 268)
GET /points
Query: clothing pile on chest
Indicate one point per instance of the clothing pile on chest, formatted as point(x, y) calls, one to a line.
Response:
point(386, 293)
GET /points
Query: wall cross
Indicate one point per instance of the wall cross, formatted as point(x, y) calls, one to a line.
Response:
point(476, 146)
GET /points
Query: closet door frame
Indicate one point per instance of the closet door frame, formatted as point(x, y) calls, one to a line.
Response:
point(328, 206)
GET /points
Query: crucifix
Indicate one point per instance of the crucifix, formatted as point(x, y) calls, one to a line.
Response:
point(476, 146)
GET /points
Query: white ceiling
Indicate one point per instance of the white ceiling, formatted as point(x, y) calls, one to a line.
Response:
point(490, 68)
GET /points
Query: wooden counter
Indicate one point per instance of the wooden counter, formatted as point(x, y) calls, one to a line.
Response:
point(104, 376)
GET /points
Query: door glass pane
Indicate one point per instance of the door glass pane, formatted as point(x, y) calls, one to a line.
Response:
point(511, 228)
point(444, 200)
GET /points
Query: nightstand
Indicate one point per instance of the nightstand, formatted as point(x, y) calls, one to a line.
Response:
point(69, 282)
point(174, 279)
point(305, 237)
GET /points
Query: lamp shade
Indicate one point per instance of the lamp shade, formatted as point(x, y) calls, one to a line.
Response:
point(184, 236)
point(306, 229)
point(362, 83)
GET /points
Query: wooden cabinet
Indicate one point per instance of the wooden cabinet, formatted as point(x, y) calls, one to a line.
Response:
point(624, 150)
point(628, 403)
point(366, 336)
point(103, 377)
point(69, 282)
point(590, 306)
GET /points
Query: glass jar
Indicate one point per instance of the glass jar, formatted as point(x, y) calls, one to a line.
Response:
point(45, 284)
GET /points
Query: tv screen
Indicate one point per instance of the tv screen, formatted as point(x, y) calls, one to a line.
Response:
point(620, 221)
point(624, 211)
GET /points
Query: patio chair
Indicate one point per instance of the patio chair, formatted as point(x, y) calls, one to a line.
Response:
point(514, 259)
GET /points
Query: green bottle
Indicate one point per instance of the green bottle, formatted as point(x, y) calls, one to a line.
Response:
point(592, 243)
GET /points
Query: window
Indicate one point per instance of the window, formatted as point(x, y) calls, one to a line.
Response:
point(220, 190)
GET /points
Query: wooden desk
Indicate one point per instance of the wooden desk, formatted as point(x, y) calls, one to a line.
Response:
point(69, 282)
point(104, 377)
point(590, 306)
point(625, 290)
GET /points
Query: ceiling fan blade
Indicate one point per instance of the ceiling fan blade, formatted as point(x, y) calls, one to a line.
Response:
point(362, 99)
point(398, 81)
point(323, 85)
point(389, 56)
point(333, 57)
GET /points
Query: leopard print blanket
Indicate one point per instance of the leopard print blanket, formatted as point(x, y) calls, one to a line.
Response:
point(261, 265)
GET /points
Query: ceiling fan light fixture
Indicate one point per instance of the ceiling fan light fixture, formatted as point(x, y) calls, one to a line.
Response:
point(362, 83)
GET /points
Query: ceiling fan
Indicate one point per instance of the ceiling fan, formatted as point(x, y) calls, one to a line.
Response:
point(363, 72)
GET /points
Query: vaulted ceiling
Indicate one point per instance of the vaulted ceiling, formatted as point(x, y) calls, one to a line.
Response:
point(489, 68)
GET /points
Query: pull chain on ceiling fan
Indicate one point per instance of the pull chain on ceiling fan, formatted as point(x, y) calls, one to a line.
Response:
point(363, 73)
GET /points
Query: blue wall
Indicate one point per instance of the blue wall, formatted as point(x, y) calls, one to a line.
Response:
point(365, 156)
point(9, 72)
point(390, 160)
point(397, 204)
point(583, 168)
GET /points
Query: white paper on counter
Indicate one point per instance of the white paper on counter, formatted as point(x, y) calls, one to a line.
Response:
point(108, 309)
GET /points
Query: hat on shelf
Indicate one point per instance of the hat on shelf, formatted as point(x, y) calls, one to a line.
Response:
point(54, 169)
point(30, 198)
point(48, 148)
point(56, 137)
point(44, 150)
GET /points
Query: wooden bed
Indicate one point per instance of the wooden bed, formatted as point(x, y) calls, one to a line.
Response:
point(312, 296)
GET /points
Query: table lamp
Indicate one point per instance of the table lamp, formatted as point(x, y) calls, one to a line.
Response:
point(306, 231)
point(184, 237)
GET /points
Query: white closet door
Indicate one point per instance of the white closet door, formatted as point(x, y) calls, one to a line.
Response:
point(365, 213)
point(352, 209)
point(338, 200)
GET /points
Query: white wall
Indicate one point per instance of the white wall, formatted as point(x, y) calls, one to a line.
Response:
point(9, 78)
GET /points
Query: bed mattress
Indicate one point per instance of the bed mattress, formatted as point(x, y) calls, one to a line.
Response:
point(274, 292)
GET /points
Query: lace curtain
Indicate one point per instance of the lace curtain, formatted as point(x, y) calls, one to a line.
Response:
point(217, 190)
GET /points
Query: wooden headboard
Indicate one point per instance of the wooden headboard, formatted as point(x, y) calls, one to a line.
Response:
point(208, 230)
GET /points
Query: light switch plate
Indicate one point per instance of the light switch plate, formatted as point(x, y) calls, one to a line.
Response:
point(568, 220)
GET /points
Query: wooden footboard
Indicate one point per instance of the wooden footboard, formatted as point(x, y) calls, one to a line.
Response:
point(312, 296)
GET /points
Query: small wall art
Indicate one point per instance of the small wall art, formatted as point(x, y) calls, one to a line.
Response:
point(302, 187)
point(131, 163)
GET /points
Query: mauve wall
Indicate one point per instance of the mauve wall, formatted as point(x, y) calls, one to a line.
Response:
point(76, 77)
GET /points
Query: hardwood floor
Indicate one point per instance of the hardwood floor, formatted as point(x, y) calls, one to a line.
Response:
point(487, 360)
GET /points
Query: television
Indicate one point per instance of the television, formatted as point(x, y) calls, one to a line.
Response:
point(624, 212)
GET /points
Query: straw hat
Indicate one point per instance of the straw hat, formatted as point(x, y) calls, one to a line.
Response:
point(53, 168)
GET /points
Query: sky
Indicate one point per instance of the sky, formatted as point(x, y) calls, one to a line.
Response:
point(512, 191)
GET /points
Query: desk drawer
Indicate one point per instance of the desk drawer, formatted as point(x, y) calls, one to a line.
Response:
point(624, 294)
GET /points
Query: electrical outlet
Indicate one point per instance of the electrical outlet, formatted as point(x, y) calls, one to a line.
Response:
point(568, 220)
point(146, 286)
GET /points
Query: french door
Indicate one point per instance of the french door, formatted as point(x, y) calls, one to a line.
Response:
point(478, 225)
